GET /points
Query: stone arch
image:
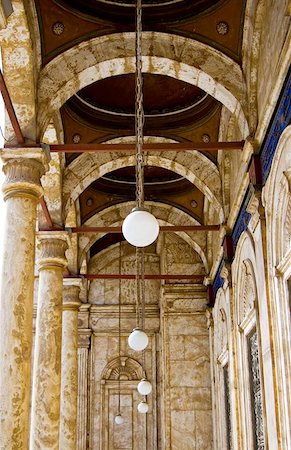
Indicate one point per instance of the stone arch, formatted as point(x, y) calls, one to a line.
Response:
point(221, 321)
point(166, 214)
point(277, 199)
point(244, 272)
point(19, 71)
point(129, 369)
point(196, 168)
point(181, 58)
point(222, 363)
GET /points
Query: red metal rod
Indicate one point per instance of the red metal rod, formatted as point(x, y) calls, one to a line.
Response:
point(46, 212)
point(10, 110)
point(170, 228)
point(117, 276)
point(157, 147)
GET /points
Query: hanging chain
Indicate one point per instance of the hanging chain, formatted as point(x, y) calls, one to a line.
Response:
point(139, 111)
point(142, 288)
point(119, 329)
point(139, 124)
point(138, 287)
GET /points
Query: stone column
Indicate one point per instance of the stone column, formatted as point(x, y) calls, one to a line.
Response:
point(23, 169)
point(69, 384)
point(45, 415)
point(82, 416)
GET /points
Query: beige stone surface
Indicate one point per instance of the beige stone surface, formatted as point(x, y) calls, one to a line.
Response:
point(182, 58)
point(186, 371)
point(21, 192)
point(45, 413)
point(188, 353)
point(69, 363)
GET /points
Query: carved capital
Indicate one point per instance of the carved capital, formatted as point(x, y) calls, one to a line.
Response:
point(209, 317)
point(71, 298)
point(84, 337)
point(52, 247)
point(226, 274)
point(23, 169)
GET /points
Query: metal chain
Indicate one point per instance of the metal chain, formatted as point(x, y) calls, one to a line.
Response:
point(139, 125)
point(119, 329)
point(137, 286)
point(142, 282)
point(139, 111)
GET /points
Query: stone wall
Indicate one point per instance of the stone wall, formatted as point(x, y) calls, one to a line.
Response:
point(186, 369)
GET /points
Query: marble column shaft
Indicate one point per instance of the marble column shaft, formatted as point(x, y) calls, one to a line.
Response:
point(23, 169)
point(82, 416)
point(45, 415)
point(69, 383)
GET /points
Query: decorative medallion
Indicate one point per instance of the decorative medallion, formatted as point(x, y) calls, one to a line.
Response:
point(222, 28)
point(89, 201)
point(205, 138)
point(193, 204)
point(58, 28)
point(76, 138)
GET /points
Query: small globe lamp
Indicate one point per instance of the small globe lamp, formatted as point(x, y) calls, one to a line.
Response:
point(138, 340)
point(144, 387)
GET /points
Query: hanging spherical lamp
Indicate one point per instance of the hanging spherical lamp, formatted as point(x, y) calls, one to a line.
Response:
point(140, 228)
point(144, 387)
point(118, 419)
point(142, 407)
point(138, 340)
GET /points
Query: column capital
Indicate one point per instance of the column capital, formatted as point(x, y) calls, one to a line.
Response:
point(71, 300)
point(84, 336)
point(209, 317)
point(23, 169)
point(52, 246)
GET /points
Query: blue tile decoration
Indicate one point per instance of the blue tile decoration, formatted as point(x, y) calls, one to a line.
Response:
point(242, 220)
point(218, 280)
point(280, 120)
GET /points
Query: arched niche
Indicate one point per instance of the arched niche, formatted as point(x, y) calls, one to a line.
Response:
point(251, 345)
point(277, 200)
point(129, 369)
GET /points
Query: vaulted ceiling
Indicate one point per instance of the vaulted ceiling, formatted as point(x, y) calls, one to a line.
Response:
point(174, 109)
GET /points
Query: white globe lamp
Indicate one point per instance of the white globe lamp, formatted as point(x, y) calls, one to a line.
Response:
point(140, 228)
point(118, 419)
point(142, 407)
point(138, 340)
point(144, 387)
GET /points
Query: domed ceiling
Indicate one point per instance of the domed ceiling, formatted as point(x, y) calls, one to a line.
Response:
point(123, 10)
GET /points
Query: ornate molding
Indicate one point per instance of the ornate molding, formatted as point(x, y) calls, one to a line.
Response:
point(71, 300)
point(130, 369)
point(280, 120)
point(209, 317)
point(23, 169)
point(52, 247)
point(84, 337)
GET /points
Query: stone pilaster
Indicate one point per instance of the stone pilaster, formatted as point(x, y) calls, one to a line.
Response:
point(45, 415)
point(22, 189)
point(69, 384)
point(186, 394)
point(82, 406)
